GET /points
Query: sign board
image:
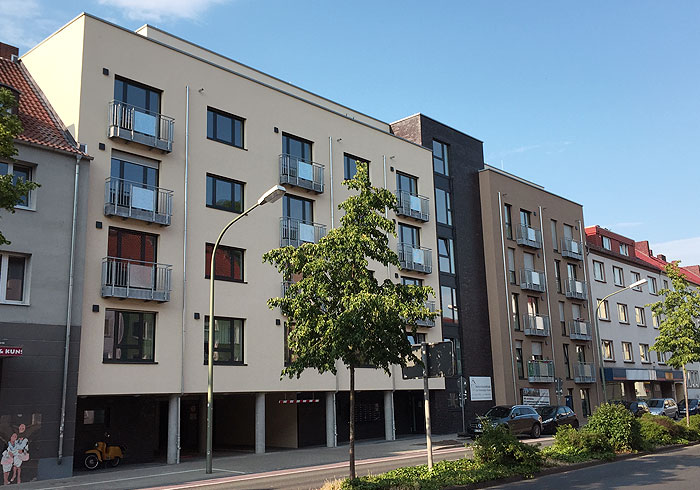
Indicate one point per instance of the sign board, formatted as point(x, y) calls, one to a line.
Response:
point(9, 351)
point(480, 387)
point(535, 396)
point(440, 361)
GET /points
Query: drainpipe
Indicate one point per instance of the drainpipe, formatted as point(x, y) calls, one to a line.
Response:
point(508, 308)
point(69, 313)
point(549, 310)
point(330, 167)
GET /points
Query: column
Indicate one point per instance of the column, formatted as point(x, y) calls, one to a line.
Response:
point(259, 423)
point(331, 437)
point(389, 430)
point(173, 411)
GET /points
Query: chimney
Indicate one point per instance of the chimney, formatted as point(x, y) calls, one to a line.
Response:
point(643, 247)
point(7, 51)
point(661, 257)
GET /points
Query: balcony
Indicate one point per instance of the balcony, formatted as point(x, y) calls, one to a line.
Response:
point(138, 201)
point(576, 289)
point(415, 258)
point(580, 330)
point(532, 280)
point(529, 237)
point(536, 325)
point(295, 232)
point(412, 206)
point(124, 278)
point(571, 248)
point(584, 372)
point(134, 124)
point(428, 322)
point(540, 371)
point(296, 172)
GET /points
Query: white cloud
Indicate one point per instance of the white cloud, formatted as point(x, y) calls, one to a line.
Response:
point(686, 250)
point(23, 23)
point(158, 10)
point(548, 148)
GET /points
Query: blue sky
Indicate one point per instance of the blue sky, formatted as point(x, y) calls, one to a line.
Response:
point(598, 101)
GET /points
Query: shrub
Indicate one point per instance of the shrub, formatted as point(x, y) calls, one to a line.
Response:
point(653, 433)
point(572, 446)
point(618, 425)
point(497, 446)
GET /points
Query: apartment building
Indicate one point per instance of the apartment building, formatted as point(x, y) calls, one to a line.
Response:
point(457, 160)
point(185, 139)
point(41, 283)
point(627, 326)
point(538, 297)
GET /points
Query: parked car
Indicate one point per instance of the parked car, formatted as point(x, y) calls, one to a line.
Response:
point(663, 406)
point(520, 419)
point(554, 416)
point(637, 408)
point(693, 407)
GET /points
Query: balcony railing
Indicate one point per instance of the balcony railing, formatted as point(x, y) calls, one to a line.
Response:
point(537, 325)
point(131, 123)
point(584, 372)
point(428, 322)
point(576, 289)
point(415, 258)
point(532, 280)
point(125, 278)
point(412, 205)
point(540, 371)
point(580, 330)
point(295, 232)
point(530, 237)
point(139, 201)
point(571, 248)
point(297, 172)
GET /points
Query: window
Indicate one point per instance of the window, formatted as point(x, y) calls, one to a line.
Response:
point(446, 261)
point(644, 353)
point(580, 353)
point(14, 287)
point(585, 402)
point(557, 274)
point(515, 310)
point(524, 218)
point(618, 276)
point(652, 285)
point(415, 339)
point(443, 206)
point(661, 357)
point(511, 265)
point(537, 351)
point(636, 277)
point(562, 318)
point(553, 225)
point(567, 363)
point(655, 320)
point(507, 221)
point(409, 235)
point(640, 316)
point(622, 315)
point(98, 416)
point(571, 271)
point(350, 165)
point(224, 194)
point(624, 249)
point(627, 352)
point(224, 127)
point(598, 271)
point(228, 263)
point(457, 353)
point(606, 243)
point(440, 161)
point(298, 208)
point(608, 350)
point(448, 297)
point(288, 353)
point(412, 281)
point(603, 310)
point(693, 379)
point(568, 232)
point(296, 147)
point(129, 336)
point(519, 359)
point(137, 95)
point(665, 283)
point(228, 340)
point(533, 307)
point(133, 246)
point(134, 173)
point(19, 173)
point(406, 183)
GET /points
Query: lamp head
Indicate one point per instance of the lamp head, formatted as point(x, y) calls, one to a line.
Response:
point(272, 195)
point(638, 283)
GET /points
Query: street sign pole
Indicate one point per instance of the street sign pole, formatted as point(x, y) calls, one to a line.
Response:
point(426, 403)
point(463, 399)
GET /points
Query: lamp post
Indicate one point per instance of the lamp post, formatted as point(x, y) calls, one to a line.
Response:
point(597, 331)
point(272, 195)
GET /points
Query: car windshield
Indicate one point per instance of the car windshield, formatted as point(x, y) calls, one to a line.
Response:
point(498, 412)
point(656, 403)
point(693, 403)
point(546, 412)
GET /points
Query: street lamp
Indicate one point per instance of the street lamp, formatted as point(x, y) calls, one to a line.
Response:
point(272, 195)
point(597, 331)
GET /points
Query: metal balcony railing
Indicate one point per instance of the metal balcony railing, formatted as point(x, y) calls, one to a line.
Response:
point(295, 232)
point(571, 248)
point(297, 172)
point(532, 280)
point(412, 205)
point(417, 259)
point(576, 289)
point(125, 278)
point(540, 371)
point(584, 372)
point(530, 237)
point(580, 330)
point(537, 325)
point(428, 322)
point(131, 123)
point(139, 201)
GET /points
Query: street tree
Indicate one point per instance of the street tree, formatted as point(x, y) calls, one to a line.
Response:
point(12, 189)
point(679, 331)
point(340, 312)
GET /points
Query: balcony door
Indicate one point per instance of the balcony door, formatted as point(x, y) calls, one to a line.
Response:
point(576, 311)
point(140, 106)
point(298, 208)
point(132, 258)
point(296, 148)
point(528, 261)
point(407, 184)
point(571, 271)
point(409, 235)
point(133, 185)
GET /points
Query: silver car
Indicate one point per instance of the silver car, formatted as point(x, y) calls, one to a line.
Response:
point(663, 406)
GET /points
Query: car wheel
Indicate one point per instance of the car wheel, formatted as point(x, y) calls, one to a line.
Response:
point(114, 462)
point(536, 431)
point(575, 424)
point(91, 461)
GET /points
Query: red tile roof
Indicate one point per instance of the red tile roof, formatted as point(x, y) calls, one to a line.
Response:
point(660, 263)
point(41, 124)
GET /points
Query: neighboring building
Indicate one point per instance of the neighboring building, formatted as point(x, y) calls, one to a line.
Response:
point(185, 139)
point(35, 296)
point(627, 326)
point(457, 159)
point(539, 307)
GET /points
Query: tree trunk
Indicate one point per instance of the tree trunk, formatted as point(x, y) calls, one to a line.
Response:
point(352, 422)
point(685, 389)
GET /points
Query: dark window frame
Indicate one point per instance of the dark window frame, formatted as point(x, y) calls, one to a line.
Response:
point(351, 159)
point(231, 350)
point(444, 159)
point(224, 249)
point(234, 119)
point(148, 88)
point(125, 347)
point(233, 183)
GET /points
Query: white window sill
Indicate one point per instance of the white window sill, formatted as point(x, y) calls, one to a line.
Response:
point(25, 208)
point(13, 303)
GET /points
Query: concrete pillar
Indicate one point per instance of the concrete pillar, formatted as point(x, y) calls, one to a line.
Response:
point(389, 429)
point(331, 435)
point(259, 423)
point(173, 412)
point(202, 421)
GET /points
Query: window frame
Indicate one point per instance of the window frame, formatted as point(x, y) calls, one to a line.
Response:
point(508, 221)
point(655, 289)
point(597, 263)
point(622, 310)
point(603, 308)
point(26, 275)
point(347, 160)
point(643, 316)
point(444, 159)
point(117, 312)
point(232, 362)
point(644, 356)
point(611, 344)
point(31, 169)
point(223, 249)
point(621, 271)
point(446, 199)
point(215, 178)
point(234, 119)
point(606, 240)
point(624, 249)
point(450, 257)
point(624, 353)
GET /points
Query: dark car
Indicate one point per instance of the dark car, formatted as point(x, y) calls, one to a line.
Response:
point(638, 408)
point(520, 419)
point(554, 416)
point(693, 404)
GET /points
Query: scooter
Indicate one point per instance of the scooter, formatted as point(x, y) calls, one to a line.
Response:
point(103, 453)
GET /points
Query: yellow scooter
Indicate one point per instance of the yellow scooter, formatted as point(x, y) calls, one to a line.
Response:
point(103, 453)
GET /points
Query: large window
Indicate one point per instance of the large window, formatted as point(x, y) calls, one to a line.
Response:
point(298, 208)
point(134, 173)
point(20, 173)
point(296, 147)
point(448, 297)
point(406, 183)
point(440, 162)
point(350, 165)
point(446, 260)
point(228, 263)
point(13, 278)
point(132, 245)
point(129, 336)
point(228, 340)
point(224, 194)
point(443, 207)
point(411, 281)
point(224, 128)
point(137, 95)
point(409, 235)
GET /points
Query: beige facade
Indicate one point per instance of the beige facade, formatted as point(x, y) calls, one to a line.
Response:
point(539, 305)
